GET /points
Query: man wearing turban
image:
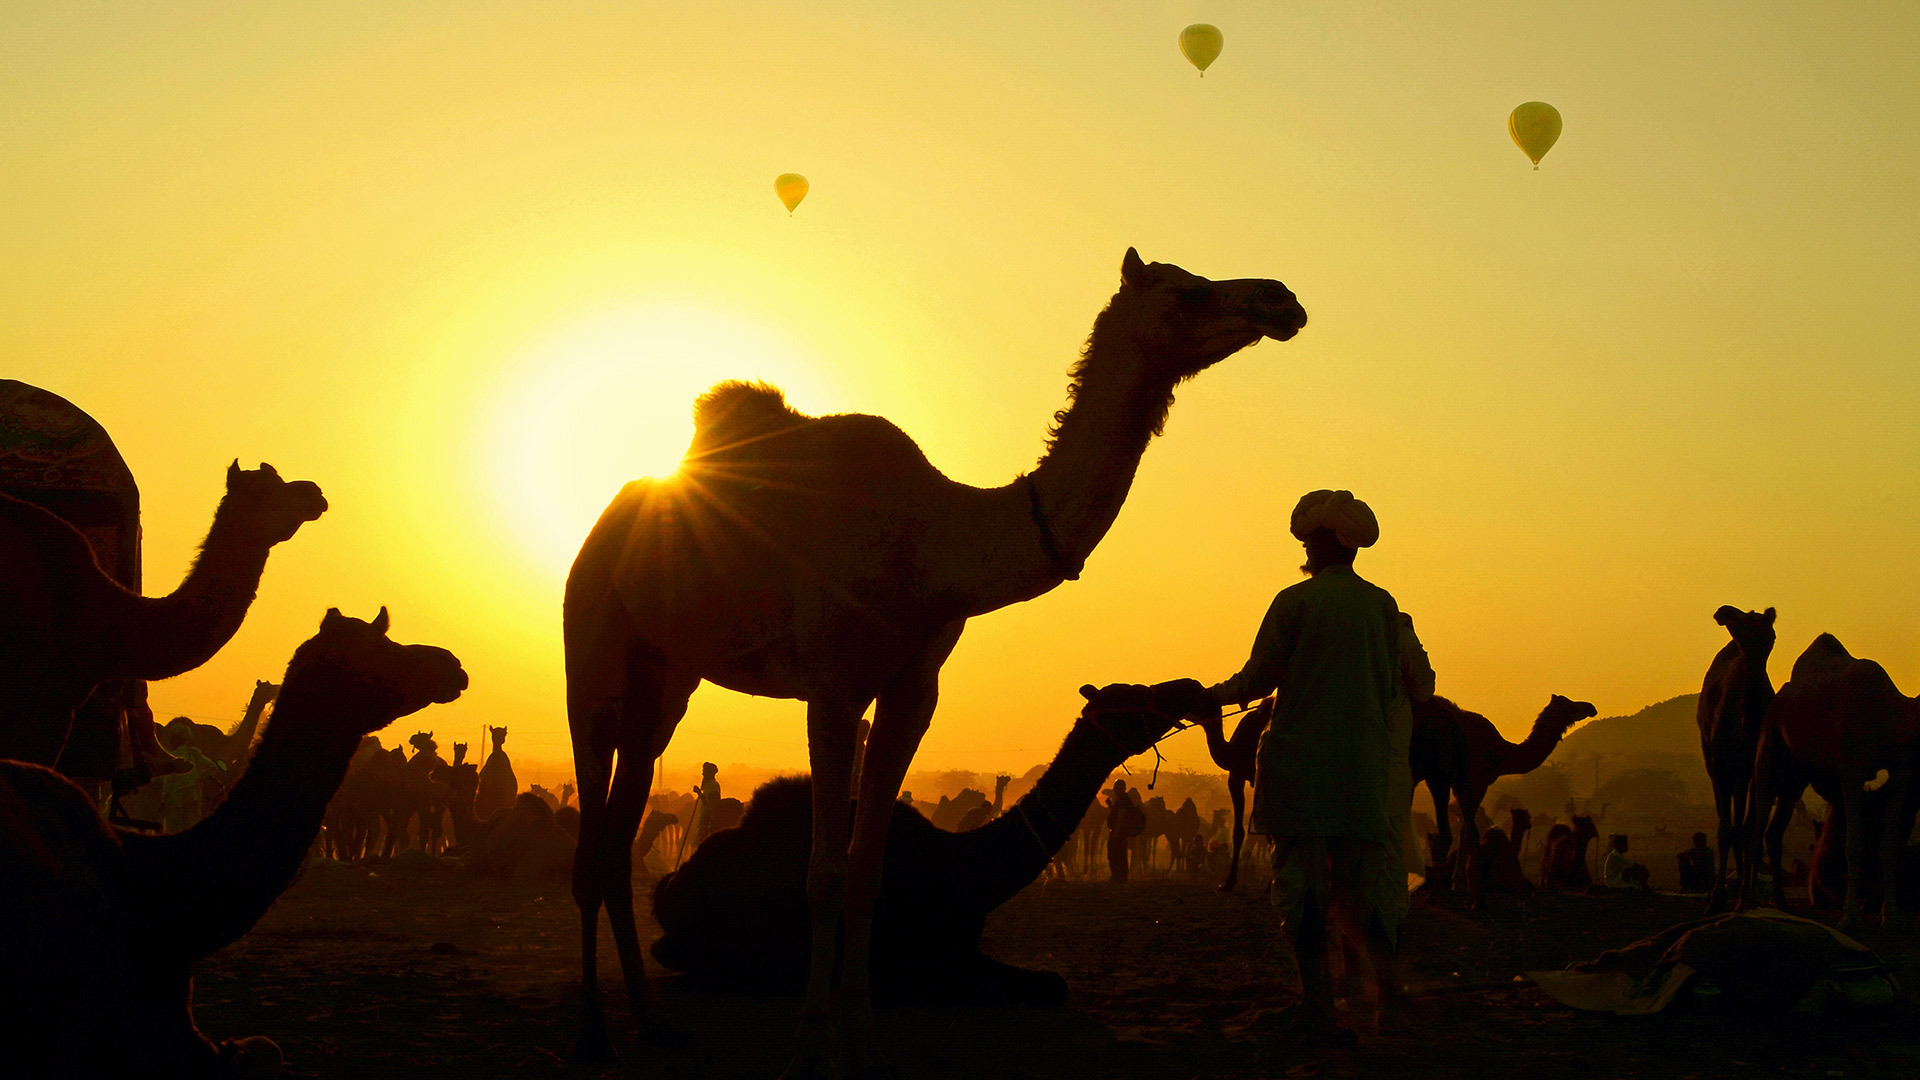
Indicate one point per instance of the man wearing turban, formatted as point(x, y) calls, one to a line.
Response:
point(1332, 785)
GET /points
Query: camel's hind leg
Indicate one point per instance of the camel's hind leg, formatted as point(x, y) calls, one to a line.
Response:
point(1469, 838)
point(1892, 843)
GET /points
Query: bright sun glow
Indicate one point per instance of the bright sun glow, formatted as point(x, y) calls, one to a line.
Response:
point(610, 399)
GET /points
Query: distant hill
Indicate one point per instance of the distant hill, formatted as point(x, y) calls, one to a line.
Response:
point(1666, 728)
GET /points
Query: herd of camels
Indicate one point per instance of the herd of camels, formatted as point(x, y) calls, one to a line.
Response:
point(817, 558)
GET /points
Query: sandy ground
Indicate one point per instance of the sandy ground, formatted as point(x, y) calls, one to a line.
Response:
point(375, 972)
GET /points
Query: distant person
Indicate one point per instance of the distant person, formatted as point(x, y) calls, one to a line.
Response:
point(1696, 866)
point(706, 802)
point(1332, 787)
point(1126, 819)
point(186, 797)
point(1620, 872)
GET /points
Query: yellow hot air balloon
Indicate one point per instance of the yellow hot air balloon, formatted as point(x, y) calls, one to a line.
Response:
point(1535, 127)
point(791, 187)
point(1201, 45)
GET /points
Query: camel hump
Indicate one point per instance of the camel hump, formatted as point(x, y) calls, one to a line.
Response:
point(733, 412)
point(1824, 658)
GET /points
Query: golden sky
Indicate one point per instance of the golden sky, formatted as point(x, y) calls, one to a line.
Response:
point(465, 265)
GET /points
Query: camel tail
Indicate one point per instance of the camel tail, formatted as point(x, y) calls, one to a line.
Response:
point(734, 412)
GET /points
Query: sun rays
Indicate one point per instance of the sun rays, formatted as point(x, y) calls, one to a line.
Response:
point(609, 399)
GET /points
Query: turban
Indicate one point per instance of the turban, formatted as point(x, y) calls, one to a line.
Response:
point(1350, 519)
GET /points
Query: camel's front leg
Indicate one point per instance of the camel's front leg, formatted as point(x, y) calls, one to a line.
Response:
point(831, 726)
point(1892, 843)
point(1853, 798)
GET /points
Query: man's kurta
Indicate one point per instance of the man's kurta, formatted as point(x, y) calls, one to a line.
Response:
point(1332, 647)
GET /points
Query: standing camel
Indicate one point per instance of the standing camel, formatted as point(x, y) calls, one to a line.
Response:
point(66, 627)
point(1733, 706)
point(1460, 752)
point(825, 559)
point(1236, 755)
point(498, 786)
point(1843, 721)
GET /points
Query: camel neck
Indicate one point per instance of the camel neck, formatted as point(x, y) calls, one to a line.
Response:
point(1010, 851)
point(211, 883)
point(182, 630)
point(1039, 530)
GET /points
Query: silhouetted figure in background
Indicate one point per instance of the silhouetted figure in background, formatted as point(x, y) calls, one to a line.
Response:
point(1125, 820)
point(1696, 866)
point(706, 802)
point(1620, 872)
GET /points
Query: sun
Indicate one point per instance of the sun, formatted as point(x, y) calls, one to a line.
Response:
point(609, 398)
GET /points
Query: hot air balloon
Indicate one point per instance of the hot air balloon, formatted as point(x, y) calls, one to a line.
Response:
point(791, 187)
point(1535, 127)
point(1201, 44)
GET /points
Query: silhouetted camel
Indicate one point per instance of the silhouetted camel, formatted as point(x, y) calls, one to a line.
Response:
point(1843, 721)
point(1563, 858)
point(1236, 755)
point(735, 915)
point(1458, 752)
point(498, 786)
point(66, 627)
point(109, 923)
point(1732, 709)
point(825, 559)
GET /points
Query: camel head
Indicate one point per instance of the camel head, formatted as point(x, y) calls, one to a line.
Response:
point(1522, 820)
point(499, 737)
point(459, 753)
point(1133, 717)
point(1183, 324)
point(1751, 630)
point(263, 694)
point(266, 509)
point(422, 743)
point(1564, 712)
point(351, 671)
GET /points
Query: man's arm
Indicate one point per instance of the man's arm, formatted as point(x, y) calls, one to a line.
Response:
point(1267, 664)
point(1416, 671)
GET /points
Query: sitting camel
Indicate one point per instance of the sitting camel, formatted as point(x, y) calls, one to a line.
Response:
point(984, 813)
point(1495, 866)
point(1461, 753)
point(826, 560)
point(523, 842)
point(110, 923)
point(949, 813)
point(1563, 858)
point(498, 786)
point(1236, 755)
point(1732, 710)
point(1843, 721)
point(66, 626)
point(735, 916)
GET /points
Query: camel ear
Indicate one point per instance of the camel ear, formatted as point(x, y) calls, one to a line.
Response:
point(1726, 614)
point(233, 472)
point(381, 622)
point(1769, 615)
point(270, 470)
point(1088, 690)
point(332, 617)
point(1132, 270)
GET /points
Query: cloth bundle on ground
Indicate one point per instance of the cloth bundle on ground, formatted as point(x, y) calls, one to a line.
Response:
point(1351, 520)
point(1766, 960)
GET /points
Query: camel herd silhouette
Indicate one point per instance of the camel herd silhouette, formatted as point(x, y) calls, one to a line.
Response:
point(822, 559)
